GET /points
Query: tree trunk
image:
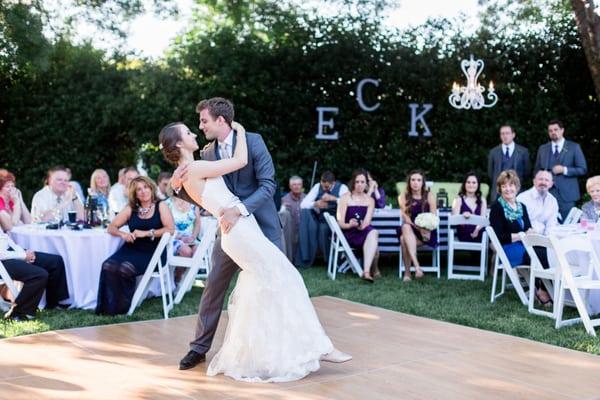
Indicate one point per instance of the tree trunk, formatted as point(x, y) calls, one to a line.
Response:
point(588, 24)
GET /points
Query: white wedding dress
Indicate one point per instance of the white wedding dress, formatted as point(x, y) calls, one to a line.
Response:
point(273, 334)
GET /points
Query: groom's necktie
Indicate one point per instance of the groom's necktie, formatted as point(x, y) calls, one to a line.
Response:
point(224, 150)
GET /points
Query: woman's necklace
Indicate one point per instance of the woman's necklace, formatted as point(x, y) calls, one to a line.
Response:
point(145, 210)
point(183, 206)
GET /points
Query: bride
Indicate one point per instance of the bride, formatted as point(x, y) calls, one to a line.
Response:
point(273, 333)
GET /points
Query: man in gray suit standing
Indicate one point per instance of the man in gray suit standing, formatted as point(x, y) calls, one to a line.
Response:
point(566, 161)
point(507, 155)
point(254, 185)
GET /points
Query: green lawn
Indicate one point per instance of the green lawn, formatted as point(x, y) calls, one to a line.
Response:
point(461, 302)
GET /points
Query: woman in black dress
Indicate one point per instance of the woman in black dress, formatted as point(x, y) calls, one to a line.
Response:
point(147, 219)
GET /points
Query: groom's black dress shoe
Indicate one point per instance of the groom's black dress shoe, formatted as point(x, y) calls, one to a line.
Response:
point(191, 359)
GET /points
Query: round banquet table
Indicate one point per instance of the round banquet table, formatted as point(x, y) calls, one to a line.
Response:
point(82, 251)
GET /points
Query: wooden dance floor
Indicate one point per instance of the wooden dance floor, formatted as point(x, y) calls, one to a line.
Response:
point(396, 356)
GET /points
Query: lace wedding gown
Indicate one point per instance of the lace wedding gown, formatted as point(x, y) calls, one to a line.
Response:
point(273, 334)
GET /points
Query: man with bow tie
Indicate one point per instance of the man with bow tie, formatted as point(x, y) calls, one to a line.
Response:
point(566, 161)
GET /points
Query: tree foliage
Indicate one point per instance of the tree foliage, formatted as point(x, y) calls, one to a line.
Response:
point(278, 63)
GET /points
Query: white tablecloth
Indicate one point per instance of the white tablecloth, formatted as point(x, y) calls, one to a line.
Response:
point(82, 251)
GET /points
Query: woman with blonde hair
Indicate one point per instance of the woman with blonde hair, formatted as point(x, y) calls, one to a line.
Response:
point(100, 187)
point(591, 209)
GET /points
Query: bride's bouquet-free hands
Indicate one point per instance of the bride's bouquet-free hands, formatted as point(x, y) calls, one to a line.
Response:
point(427, 222)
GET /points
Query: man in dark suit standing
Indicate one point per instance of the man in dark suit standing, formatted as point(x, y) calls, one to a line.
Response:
point(507, 155)
point(566, 161)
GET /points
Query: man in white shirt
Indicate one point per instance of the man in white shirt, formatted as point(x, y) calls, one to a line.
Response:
point(118, 197)
point(56, 198)
point(542, 206)
point(162, 184)
point(39, 272)
point(314, 231)
point(324, 195)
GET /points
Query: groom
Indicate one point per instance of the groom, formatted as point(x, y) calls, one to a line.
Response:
point(254, 185)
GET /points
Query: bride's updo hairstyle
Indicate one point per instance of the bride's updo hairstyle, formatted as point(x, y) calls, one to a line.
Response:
point(168, 138)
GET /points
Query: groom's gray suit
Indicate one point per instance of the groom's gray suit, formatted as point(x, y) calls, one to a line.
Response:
point(254, 185)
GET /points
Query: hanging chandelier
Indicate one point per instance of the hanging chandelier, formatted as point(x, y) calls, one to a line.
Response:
point(472, 95)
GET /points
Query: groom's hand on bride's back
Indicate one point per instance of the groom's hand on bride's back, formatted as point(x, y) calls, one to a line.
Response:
point(179, 176)
point(228, 218)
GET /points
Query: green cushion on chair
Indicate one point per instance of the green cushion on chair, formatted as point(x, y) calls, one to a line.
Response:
point(452, 188)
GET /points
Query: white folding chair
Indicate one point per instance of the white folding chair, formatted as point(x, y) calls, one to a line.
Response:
point(200, 260)
point(156, 269)
point(550, 276)
point(455, 244)
point(12, 287)
point(585, 282)
point(435, 256)
point(339, 248)
point(501, 263)
point(573, 216)
point(387, 222)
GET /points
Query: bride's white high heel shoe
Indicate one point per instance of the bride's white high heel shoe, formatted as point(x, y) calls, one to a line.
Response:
point(336, 356)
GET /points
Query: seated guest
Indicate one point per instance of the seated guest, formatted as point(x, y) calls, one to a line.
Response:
point(509, 217)
point(376, 192)
point(39, 272)
point(314, 231)
point(591, 209)
point(469, 202)
point(416, 199)
point(13, 210)
point(186, 218)
point(290, 215)
point(147, 219)
point(163, 184)
point(118, 196)
point(56, 198)
point(100, 187)
point(542, 206)
point(354, 214)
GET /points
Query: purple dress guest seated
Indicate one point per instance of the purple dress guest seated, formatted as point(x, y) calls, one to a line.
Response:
point(416, 209)
point(379, 202)
point(355, 237)
point(376, 192)
point(354, 214)
point(464, 231)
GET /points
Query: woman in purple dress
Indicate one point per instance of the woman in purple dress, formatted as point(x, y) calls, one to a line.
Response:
point(354, 214)
point(469, 202)
point(416, 199)
point(376, 192)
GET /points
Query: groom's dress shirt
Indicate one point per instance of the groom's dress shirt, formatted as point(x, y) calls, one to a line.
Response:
point(226, 151)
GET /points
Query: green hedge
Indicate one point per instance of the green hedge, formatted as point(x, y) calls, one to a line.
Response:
point(87, 111)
